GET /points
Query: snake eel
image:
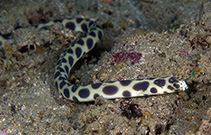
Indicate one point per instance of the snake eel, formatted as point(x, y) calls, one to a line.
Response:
point(109, 90)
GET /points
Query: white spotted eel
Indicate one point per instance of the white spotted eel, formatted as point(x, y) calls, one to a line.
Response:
point(109, 90)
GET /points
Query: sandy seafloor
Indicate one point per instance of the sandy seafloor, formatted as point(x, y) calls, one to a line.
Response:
point(173, 37)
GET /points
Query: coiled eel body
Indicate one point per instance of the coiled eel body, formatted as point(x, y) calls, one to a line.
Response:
point(110, 90)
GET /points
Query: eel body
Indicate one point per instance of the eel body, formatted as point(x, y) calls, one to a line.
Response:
point(110, 90)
